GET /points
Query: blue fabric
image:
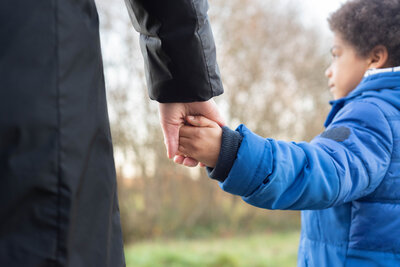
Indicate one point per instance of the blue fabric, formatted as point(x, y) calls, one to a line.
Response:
point(346, 181)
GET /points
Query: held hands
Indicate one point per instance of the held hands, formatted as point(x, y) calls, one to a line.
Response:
point(201, 140)
point(172, 117)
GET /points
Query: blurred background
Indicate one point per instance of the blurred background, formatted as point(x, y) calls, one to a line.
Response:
point(272, 56)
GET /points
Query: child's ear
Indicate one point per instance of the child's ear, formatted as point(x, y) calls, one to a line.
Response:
point(379, 57)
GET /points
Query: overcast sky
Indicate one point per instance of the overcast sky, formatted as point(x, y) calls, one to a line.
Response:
point(318, 10)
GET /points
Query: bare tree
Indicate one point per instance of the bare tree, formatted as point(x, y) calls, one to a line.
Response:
point(272, 68)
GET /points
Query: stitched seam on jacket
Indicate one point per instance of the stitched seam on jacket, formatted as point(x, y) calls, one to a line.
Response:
point(382, 201)
point(202, 48)
point(395, 252)
point(390, 251)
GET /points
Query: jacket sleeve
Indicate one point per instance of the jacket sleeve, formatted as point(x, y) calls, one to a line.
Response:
point(178, 49)
point(346, 162)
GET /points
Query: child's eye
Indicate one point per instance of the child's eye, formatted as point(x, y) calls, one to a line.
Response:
point(334, 56)
point(334, 53)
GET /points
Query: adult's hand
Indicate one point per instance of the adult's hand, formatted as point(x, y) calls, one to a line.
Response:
point(172, 117)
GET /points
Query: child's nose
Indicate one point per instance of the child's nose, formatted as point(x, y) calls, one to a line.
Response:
point(328, 72)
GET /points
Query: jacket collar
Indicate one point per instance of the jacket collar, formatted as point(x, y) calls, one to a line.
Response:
point(375, 71)
point(373, 80)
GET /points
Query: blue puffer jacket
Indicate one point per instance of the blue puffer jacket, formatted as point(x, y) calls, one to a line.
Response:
point(346, 180)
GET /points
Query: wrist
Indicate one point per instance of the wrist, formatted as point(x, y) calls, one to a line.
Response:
point(230, 143)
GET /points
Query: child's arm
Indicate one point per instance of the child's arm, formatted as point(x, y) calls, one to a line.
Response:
point(346, 162)
point(343, 164)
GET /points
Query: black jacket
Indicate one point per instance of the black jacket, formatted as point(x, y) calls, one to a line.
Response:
point(58, 195)
point(178, 47)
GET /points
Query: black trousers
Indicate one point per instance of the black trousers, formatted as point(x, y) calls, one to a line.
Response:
point(58, 200)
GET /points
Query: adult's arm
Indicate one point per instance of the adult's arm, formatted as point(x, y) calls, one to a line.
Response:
point(178, 49)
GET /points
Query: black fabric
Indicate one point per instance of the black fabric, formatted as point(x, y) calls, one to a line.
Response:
point(59, 204)
point(230, 144)
point(58, 195)
point(178, 49)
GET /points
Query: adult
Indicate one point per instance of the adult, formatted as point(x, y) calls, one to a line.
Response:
point(58, 195)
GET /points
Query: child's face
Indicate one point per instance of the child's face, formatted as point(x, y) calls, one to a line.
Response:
point(346, 70)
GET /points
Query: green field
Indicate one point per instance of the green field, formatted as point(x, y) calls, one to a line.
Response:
point(265, 249)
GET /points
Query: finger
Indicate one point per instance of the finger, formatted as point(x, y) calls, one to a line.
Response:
point(200, 121)
point(218, 119)
point(178, 153)
point(179, 159)
point(190, 162)
point(183, 150)
point(186, 161)
point(188, 131)
point(171, 142)
point(214, 114)
point(171, 118)
point(171, 136)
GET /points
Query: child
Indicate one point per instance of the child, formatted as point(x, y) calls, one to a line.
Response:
point(346, 180)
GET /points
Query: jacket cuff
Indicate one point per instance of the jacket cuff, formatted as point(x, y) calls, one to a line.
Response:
point(230, 144)
point(253, 164)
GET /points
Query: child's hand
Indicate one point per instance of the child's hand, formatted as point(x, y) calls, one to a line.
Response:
point(201, 140)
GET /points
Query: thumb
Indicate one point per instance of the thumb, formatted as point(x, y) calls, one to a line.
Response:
point(217, 118)
point(213, 113)
point(200, 121)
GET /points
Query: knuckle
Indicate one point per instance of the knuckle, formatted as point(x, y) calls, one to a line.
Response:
point(181, 149)
point(196, 146)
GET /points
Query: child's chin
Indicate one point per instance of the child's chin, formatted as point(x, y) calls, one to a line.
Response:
point(334, 96)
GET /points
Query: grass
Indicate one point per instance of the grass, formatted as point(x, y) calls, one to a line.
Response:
point(266, 249)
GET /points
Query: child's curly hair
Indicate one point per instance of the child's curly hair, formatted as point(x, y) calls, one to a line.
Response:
point(368, 23)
